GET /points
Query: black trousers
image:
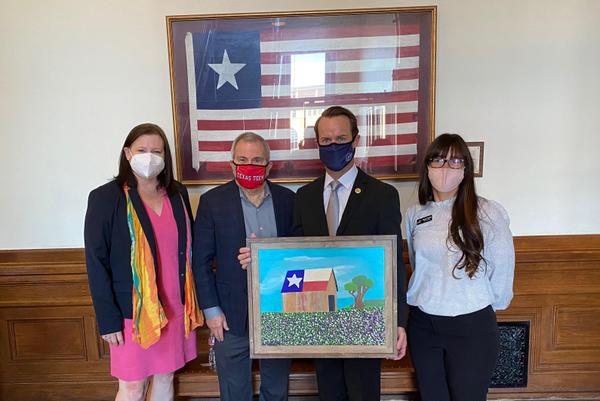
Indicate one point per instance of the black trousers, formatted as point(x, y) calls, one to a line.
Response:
point(454, 357)
point(349, 379)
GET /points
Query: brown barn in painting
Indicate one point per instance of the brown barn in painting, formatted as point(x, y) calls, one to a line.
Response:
point(310, 290)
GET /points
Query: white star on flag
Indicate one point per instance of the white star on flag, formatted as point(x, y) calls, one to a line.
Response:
point(294, 280)
point(227, 71)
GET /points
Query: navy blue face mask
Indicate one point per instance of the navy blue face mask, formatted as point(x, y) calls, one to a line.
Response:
point(336, 156)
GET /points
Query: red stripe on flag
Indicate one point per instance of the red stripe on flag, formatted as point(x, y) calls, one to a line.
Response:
point(339, 32)
point(344, 55)
point(284, 123)
point(387, 161)
point(219, 167)
point(243, 125)
point(390, 97)
point(379, 162)
point(314, 286)
point(348, 77)
point(403, 139)
point(399, 118)
point(223, 146)
point(274, 144)
point(309, 143)
point(300, 165)
point(373, 163)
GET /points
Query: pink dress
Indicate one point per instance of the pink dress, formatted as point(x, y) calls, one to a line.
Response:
point(130, 361)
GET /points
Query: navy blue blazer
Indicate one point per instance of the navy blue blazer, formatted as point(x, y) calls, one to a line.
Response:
point(373, 208)
point(108, 250)
point(219, 233)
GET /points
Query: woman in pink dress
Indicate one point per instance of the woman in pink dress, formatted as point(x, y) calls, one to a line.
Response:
point(137, 245)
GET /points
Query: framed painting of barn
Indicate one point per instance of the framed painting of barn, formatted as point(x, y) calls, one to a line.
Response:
point(274, 73)
point(323, 297)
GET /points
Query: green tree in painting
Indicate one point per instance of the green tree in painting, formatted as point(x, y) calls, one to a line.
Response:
point(358, 287)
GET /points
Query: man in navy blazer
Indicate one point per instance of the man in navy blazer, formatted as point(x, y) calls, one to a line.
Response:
point(347, 201)
point(247, 206)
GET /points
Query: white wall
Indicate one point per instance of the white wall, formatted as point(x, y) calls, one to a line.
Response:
point(75, 77)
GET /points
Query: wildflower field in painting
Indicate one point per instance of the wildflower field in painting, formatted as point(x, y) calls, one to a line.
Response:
point(348, 326)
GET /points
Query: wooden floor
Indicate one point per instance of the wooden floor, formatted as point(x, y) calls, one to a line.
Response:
point(406, 398)
point(413, 397)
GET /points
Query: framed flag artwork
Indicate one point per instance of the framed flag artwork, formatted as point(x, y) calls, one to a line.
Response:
point(322, 297)
point(274, 74)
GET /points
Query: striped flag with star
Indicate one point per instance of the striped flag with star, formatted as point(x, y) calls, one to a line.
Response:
point(276, 79)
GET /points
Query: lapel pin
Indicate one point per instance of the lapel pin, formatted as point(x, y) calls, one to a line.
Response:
point(357, 190)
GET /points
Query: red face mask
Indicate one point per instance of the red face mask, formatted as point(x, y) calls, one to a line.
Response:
point(250, 176)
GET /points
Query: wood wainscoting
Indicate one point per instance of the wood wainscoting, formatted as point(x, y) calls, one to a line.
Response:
point(50, 349)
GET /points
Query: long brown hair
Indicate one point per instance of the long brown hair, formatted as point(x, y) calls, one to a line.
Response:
point(165, 179)
point(464, 229)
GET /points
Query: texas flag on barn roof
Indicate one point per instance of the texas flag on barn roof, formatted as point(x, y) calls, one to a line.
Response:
point(307, 280)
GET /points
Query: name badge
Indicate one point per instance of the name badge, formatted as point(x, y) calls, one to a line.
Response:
point(424, 219)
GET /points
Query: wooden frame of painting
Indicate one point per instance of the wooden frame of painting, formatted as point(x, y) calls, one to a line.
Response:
point(323, 297)
point(274, 73)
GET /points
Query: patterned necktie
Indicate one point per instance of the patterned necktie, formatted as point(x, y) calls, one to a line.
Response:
point(333, 208)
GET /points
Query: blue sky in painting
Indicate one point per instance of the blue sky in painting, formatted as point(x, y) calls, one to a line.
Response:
point(346, 263)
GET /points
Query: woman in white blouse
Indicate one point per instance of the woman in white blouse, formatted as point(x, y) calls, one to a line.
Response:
point(462, 254)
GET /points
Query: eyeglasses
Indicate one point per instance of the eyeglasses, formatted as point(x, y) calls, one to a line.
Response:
point(438, 162)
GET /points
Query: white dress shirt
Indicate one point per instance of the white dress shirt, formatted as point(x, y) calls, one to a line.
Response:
point(343, 191)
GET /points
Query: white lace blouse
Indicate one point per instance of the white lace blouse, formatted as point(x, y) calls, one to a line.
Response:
point(432, 286)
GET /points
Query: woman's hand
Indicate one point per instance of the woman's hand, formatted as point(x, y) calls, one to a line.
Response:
point(400, 344)
point(115, 338)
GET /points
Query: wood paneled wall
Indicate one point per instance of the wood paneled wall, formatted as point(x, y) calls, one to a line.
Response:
point(50, 349)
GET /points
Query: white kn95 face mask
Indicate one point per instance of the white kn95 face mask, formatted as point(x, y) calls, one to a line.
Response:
point(147, 165)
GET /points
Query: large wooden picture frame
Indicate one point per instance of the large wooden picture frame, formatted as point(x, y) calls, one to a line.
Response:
point(323, 297)
point(274, 73)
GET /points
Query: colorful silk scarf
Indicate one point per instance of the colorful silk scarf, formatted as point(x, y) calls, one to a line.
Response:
point(148, 314)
